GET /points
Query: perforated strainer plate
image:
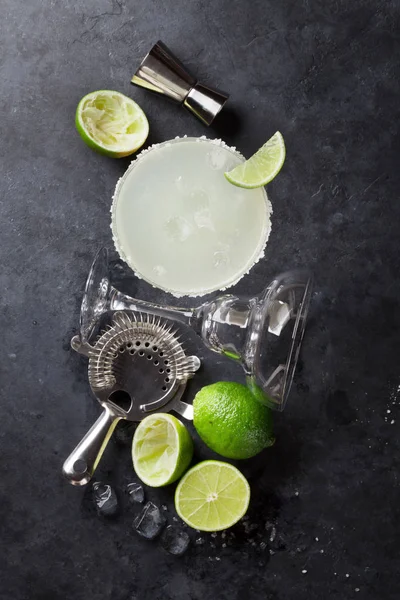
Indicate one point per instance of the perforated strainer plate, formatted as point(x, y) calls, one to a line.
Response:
point(141, 356)
point(137, 366)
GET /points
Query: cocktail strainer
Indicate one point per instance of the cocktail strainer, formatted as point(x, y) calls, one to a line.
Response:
point(136, 367)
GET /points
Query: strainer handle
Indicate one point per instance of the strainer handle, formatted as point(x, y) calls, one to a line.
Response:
point(82, 462)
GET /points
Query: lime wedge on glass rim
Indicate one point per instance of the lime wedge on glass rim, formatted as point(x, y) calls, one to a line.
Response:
point(162, 449)
point(212, 496)
point(111, 123)
point(262, 167)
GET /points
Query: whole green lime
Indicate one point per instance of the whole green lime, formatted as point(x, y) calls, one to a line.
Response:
point(231, 421)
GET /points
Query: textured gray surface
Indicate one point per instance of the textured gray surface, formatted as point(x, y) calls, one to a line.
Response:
point(326, 74)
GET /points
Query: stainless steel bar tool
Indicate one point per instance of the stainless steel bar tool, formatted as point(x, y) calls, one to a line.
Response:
point(162, 72)
point(136, 367)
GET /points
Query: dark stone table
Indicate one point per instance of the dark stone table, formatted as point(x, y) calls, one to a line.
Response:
point(324, 519)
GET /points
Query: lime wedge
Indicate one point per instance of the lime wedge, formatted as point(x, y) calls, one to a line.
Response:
point(161, 450)
point(262, 167)
point(212, 496)
point(111, 123)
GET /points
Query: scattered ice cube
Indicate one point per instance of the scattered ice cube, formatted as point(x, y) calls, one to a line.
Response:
point(150, 522)
point(105, 499)
point(124, 431)
point(135, 492)
point(263, 545)
point(175, 540)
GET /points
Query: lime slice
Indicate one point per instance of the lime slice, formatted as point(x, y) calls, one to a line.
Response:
point(262, 167)
point(111, 123)
point(212, 496)
point(161, 450)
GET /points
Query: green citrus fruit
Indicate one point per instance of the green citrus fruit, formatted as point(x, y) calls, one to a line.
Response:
point(212, 496)
point(262, 167)
point(111, 123)
point(162, 449)
point(231, 421)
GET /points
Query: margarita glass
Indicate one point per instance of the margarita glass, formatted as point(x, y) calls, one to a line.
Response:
point(180, 225)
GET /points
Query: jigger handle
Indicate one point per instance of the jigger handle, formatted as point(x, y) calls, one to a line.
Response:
point(82, 462)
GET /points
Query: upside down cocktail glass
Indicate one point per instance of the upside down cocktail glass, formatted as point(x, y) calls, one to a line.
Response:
point(263, 333)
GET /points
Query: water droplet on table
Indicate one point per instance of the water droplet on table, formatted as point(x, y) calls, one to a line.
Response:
point(275, 540)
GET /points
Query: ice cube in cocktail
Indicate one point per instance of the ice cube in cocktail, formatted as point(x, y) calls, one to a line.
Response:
point(180, 225)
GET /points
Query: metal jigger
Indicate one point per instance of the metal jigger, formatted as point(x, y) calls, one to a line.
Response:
point(161, 72)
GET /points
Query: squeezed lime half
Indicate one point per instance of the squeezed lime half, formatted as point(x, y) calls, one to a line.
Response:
point(111, 123)
point(162, 449)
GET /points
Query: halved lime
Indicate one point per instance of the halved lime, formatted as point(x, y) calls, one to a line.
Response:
point(111, 123)
point(161, 449)
point(213, 495)
point(262, 167)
